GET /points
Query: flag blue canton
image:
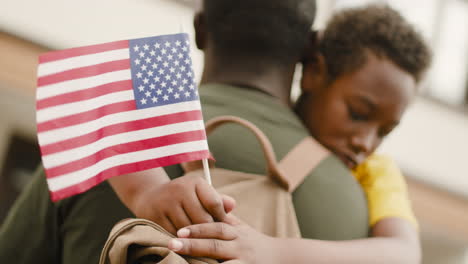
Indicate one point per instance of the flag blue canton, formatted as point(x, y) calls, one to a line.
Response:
point(162, 71)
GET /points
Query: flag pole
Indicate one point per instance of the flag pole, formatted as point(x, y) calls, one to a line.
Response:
point(206, 167)
point(206, 170)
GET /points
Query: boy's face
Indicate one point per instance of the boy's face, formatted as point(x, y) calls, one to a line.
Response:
point(351, 115)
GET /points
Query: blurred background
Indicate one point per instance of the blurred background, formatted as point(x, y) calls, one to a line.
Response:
point(431, 145)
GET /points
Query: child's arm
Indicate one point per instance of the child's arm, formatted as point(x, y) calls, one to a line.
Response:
point(394, 230)
point(172, 204)
point(394, 227)
point(395, 241)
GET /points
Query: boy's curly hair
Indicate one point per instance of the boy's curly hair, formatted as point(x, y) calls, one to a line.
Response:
point(351, 33)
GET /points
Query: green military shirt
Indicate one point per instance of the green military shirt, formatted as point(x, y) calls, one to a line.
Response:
point(329, 203)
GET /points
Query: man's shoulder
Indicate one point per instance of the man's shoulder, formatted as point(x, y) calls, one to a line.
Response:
point(235, 147)
point(262, 109)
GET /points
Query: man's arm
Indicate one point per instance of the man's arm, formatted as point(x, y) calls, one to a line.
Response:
point(130, 187)
point(173, 204)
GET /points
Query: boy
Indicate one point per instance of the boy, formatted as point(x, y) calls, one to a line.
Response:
point(349, 107)
point(355, 90)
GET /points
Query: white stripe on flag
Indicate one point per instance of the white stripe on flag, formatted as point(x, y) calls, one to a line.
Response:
point(53, 136)
point(48, 68)
point(73, 178)
point(47, 91)
point(63, 110)
point(64, 157)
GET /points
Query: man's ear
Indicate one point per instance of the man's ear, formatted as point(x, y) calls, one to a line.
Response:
point(200, 30)
point(314, 73)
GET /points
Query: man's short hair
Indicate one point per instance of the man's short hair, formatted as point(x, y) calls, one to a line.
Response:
point(272, 31)
point(353, 32)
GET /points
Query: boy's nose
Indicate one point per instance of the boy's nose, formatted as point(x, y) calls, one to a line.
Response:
point(364, 142)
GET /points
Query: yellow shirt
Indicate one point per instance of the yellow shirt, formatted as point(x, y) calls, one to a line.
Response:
point(385, 188)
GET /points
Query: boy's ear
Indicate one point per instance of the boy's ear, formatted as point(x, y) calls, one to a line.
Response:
point(314, 73)
point(200, 30)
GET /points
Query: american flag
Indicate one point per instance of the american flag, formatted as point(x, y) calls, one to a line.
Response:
point(116, 108)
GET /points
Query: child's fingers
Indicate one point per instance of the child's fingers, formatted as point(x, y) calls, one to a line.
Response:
point(211, 248)
point(216, 230)
point(234, 261)
point(211, 200)
point(233, 220)
point(179, 217)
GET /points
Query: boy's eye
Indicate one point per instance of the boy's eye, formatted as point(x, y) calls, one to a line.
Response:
point(356, 115)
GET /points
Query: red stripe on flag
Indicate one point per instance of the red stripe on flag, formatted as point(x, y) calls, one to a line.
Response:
point(86, 116)
point(84, 72)
point(126, 148)
point(126, 169)
point(121, 128)
point(64, 54)
point(84, 94)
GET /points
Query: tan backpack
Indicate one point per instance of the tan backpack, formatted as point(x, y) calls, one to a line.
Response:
point(263, 202)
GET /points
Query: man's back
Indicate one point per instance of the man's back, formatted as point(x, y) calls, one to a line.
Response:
point(329, 204)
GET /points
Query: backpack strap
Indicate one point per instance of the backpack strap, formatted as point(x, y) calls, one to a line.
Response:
point(301, 160)
point(270, 157)
point(292, 169)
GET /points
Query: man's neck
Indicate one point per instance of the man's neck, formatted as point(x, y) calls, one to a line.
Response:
point(273, 81)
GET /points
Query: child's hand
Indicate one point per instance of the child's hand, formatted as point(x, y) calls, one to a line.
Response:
point(232, 240)
point(183, 202)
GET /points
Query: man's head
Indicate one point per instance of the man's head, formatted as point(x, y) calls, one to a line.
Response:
point(357, 88)
point(255, 33)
